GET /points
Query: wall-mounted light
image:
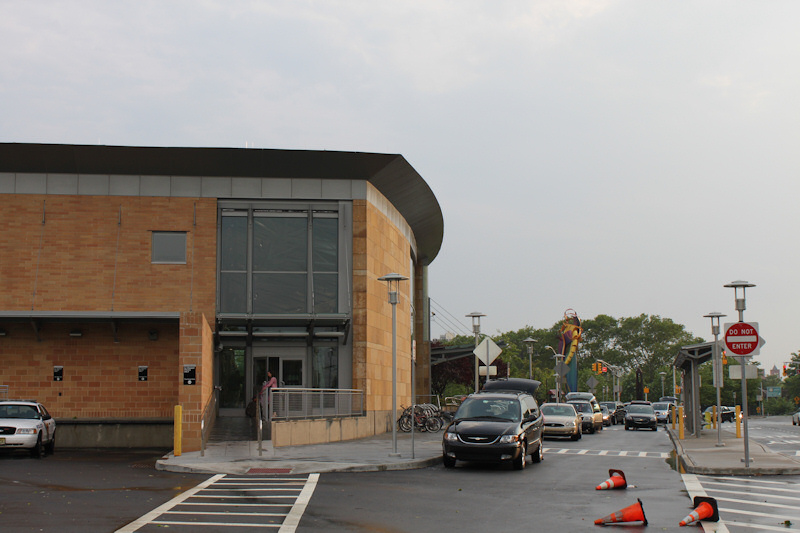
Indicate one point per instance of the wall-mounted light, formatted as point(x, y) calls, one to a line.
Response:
point(152, 334)
point(76, 333)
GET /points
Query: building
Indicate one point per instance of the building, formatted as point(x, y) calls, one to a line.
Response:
point(136, 279)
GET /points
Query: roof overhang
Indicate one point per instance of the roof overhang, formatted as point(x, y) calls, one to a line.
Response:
point(38, 318)
point(391, 174)
point(694, 353)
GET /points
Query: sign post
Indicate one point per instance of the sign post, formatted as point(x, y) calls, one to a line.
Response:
point(486, 352)
point(743, 341)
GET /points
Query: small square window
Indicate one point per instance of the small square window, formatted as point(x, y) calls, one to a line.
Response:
point(169, 247)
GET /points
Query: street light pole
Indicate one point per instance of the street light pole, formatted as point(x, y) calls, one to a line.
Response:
point(476, 329)
point(663, 377)
point(529, 343)
point(393, 281)
point(717, 368)
point(742, 286)
point(558, 374)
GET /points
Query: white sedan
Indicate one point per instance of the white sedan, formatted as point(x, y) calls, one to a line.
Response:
point(26, 425)
point(796, 418)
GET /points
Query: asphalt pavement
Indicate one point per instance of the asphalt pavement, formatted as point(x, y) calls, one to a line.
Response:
point(698, 455)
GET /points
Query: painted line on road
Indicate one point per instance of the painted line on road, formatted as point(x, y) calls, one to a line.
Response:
point(608, 453)
point(694, 488)
point(155, 513)
point(299, 507)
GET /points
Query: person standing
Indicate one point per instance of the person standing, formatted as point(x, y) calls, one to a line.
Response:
point(266, 389)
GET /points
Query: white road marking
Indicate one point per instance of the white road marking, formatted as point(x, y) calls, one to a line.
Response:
point(227, 492)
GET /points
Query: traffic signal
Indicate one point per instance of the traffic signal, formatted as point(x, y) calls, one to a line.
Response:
point(784, 370)
point(724, 358)
point(594, 367)
point(605, 369)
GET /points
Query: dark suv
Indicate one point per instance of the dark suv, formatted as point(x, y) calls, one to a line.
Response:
point(502, 423)
point(617, 411)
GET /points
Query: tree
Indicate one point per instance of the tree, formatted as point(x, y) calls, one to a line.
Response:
point(647, 343)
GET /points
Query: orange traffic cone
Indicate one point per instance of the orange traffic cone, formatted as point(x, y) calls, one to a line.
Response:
point(616, 481)
point(632, 513)
point(704, 509)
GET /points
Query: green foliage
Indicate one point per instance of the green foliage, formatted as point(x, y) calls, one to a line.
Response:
point(648, 343)
point(456, 389)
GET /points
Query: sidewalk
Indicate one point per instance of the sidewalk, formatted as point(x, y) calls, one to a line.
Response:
point(701, 455)
point(697, 455)
point(363, 455)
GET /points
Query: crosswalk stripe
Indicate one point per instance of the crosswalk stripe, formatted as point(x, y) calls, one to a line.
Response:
point(267, 502)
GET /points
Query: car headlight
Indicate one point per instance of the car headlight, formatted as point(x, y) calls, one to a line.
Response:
point(26, 431)
point(450, 437)
point(569, 424)
point(509, 439)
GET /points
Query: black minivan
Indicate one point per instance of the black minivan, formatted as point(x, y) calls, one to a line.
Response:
point(501, 423)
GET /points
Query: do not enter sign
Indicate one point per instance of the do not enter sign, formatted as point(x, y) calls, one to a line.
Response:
point(742, 338)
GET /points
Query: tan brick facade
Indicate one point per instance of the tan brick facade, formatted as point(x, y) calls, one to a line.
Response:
point(71, 254)
point(380, 248)
point(93, 254)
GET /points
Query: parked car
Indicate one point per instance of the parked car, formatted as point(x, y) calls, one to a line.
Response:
point(592, 420)
point(606, 415)
point(640, 415)
point(796, 418)
point(617, 410)
point(26, 425)
point(561, 420)
point(728, 413)
point(498, 424)
point(663, 412)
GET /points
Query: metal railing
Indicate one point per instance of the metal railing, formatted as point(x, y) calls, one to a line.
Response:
point(207, 420)
point(303, 404)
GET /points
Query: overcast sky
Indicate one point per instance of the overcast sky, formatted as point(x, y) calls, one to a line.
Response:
point(610, 157)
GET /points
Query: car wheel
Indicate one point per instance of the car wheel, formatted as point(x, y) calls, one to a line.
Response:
point(519, 462)
point(50, 447)
point(576, 436)
point(538, 455)
point(38, 450)
point(655, 428)
point(449, 462)
point(627, 427)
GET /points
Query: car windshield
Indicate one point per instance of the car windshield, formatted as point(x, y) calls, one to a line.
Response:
point(661, 406)
point(18, 411)
point(502, 408)
point(558, 410)
point(640, 409)
point(583, 407)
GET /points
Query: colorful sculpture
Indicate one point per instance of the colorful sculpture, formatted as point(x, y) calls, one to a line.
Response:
point(570, 337)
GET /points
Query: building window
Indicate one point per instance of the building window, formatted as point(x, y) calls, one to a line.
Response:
point(281, 259)
point(169, 247)
point(233, 263)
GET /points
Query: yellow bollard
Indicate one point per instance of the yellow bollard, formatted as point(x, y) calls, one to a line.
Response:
point(178, 431)
point(680, 422)
point(738, 422)
point(672, 415)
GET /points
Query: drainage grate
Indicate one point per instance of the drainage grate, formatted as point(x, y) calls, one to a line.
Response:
point(269, 471)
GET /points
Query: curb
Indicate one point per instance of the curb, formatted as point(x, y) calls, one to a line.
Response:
point(297, 467)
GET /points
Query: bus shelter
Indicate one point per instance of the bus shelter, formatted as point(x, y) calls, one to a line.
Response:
point(688, 362)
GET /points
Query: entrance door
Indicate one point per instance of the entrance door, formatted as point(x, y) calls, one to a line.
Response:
point(286, 364)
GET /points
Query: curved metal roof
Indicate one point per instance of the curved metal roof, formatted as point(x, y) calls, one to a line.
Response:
point(391, 174)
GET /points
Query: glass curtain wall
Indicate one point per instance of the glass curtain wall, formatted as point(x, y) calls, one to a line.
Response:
point(279, 261)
